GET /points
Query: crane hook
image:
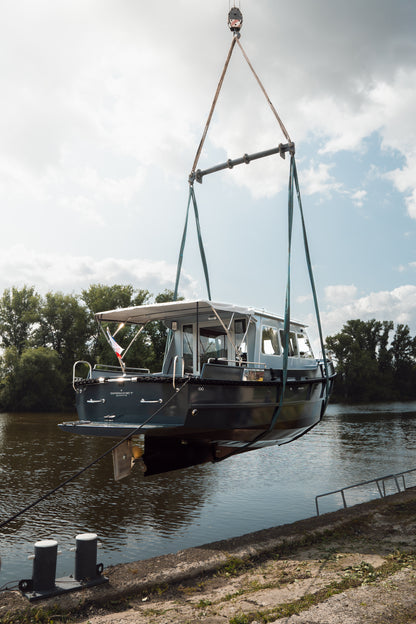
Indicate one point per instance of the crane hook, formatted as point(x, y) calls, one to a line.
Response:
point(235, 20)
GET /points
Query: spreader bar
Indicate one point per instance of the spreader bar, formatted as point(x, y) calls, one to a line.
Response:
point(247, 158)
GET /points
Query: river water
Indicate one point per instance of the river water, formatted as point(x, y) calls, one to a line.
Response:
point(138, 517)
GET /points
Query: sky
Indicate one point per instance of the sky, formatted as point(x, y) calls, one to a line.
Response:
point(103, 106)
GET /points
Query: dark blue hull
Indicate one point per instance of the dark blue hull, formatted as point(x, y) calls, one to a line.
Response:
point(218, 411)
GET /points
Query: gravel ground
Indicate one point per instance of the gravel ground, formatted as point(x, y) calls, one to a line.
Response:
point(352, 566)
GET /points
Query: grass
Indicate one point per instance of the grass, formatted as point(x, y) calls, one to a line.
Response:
point(235, 566)
point(36, 616)
point(354, 576)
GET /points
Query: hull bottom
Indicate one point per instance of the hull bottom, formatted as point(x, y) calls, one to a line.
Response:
point(175, 447)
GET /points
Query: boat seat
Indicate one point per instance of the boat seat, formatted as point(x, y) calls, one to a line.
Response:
point(219, 371)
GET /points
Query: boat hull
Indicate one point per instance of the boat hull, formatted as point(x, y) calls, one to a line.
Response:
point(228, 413)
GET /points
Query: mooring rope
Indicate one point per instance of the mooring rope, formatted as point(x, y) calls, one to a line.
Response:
point(95, 461)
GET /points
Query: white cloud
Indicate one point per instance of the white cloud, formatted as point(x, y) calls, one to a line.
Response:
point(105, 102)
point(405, 181)
point(397, 305)
point(129, 81)
point(358, 197)
point(317, 180)
point(60, 272)
point(340, 294)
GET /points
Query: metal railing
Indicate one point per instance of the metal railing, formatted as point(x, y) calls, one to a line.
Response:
point(380, 482)
point(74, 376)
point(242, 363)
point(129, 370)
point(175, 363)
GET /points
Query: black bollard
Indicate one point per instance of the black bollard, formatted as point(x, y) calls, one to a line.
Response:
point(43, 583)
point(86, 557)
point(44, 565)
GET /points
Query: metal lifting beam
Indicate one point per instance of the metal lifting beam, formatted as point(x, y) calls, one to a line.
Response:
point(247, 158)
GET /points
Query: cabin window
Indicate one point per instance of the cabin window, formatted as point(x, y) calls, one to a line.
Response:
point(293, 345)
point(212, 343)
point(270, 341)
point(187, 348)
point(305, 349)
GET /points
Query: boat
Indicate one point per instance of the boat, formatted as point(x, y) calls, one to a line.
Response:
point(234, 378)
point(221, 390)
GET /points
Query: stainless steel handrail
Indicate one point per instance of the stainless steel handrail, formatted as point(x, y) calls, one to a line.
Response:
point(380, 482)
point(74, 368)
point(175, 360)
point(129, 369)
point(241, 363)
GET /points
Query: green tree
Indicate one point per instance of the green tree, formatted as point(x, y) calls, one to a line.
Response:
point(403, 350)
point(19, 311)
point(100, 297)
point(31, 381)
point(42, 337)
point(384, 353)
point(65, 326)
point(363, 360)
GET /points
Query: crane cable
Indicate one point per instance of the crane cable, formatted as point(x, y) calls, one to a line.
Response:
point(214, 103)
point(236, 39)
point(235, 25)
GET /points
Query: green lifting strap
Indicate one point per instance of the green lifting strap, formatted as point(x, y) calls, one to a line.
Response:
point(293, 181)
point(200, 243)
point(311, 279)
point(286, 325)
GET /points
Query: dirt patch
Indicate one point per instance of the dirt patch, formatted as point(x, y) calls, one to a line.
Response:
point(352, 566)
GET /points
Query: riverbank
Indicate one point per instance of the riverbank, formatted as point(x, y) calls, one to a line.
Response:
point(354, 565)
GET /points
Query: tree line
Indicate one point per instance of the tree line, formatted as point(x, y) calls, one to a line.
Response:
point(42, 336)
point(375, 361)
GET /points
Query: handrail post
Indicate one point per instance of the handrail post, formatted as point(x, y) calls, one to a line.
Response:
point(397, 483)
point(74, 369)
point(316, 504)
point(175, 359)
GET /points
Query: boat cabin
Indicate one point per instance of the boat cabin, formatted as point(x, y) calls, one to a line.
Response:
point(204, 335)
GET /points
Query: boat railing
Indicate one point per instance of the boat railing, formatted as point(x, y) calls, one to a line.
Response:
point(76, 378)
point(115, 370)
point(244, 363)
point(250, 371)
point(379, 482)
point(175, 363)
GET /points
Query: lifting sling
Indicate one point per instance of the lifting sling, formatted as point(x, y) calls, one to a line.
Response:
point(235, 20)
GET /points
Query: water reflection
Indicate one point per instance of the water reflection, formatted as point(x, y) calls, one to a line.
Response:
point(143, 517)
point(37, 456)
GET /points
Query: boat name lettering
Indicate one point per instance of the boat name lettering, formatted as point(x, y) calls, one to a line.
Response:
point(121, 394)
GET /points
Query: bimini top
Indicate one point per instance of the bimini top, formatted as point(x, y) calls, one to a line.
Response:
point(180, 310)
